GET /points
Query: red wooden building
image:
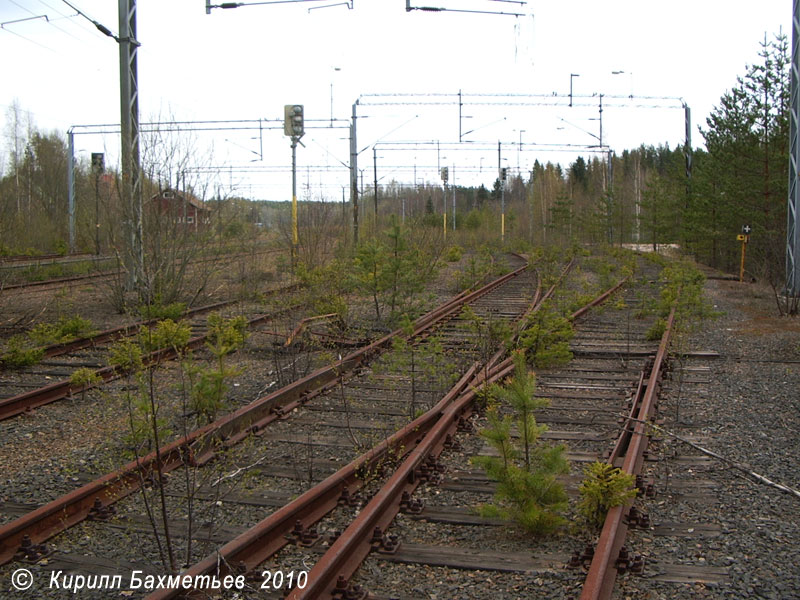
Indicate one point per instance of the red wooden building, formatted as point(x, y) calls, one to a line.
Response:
point(184, 209)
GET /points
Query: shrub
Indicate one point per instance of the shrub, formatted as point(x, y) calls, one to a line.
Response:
point(454, 254)
point(64, 330)
point(19, 353)
point(160, 311)
point(656, 330)
point(84, 377)
point(473, 220)
point(547, 338)
point(603, 487)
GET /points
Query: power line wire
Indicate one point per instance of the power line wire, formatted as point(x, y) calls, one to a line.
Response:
point(100, 27)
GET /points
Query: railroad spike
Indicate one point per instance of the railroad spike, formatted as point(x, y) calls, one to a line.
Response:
point(29, 552)
point(575, 560)
point(637, 565)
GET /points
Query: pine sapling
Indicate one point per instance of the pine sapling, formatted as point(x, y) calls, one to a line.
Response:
point(526, 470)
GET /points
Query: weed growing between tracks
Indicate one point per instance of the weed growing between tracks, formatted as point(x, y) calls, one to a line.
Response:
point(28, 349)
point(683, 288)
point(546, 337)
point(201, 392)
point(603, 487)
point(432, 371)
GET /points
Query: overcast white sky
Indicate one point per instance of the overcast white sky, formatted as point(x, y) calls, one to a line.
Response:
point(248, 62)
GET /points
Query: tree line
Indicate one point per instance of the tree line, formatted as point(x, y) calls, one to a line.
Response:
point(699, 199)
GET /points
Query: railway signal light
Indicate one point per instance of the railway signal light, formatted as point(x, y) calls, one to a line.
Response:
point(503, 173)
point(98, 162)
point(293, 120)
point(445, 174)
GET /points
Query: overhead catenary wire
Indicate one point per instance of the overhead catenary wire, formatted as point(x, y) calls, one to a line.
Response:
point(438, 9)
point(100, 27)
point(48, 19)
point(19, 35)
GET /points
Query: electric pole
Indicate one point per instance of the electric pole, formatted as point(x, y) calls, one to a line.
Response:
point(131, 188)
point(354, 174)
point(792, 231)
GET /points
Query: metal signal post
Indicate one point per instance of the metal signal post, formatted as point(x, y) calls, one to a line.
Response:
point(294, 127)
point(445, 173)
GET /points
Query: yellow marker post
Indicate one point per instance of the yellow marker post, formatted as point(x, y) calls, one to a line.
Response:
point(744, 239)
point(444, 225)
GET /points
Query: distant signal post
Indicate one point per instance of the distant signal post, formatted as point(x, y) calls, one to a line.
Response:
point(293, 126)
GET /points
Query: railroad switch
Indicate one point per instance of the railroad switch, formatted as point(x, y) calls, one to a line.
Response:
point(31, 553)
point(98, 512)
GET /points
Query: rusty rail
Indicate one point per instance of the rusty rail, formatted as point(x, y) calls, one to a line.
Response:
point(15, 405)
point(599, 583)
point(110, 335)
point(597, 301)
point(263, 540)
point(111, 273)
point(330, 575)
point(343, 558)
point(200, 445)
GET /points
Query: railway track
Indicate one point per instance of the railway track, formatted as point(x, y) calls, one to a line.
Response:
point(70, 281)
point(22, 261)
point(436, 534)
point(33, 387)
point(348, 531)
point(200, 445)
